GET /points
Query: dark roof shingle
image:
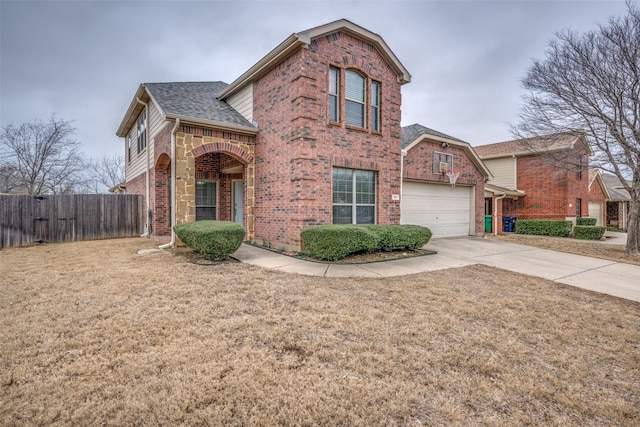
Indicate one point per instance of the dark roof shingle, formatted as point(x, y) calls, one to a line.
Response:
point(412, 132)
point(196, 100)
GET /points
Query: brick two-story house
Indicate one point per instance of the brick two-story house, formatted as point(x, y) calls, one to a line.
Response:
point(308, 135)
point(537, 178)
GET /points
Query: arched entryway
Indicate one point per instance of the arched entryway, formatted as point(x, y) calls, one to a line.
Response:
point(220, 186)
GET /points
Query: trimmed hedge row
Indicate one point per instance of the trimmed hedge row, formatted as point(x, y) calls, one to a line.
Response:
point(213, 240)
point(544, 227)
point(334, 242)
point(588, 232)
point(586, 221)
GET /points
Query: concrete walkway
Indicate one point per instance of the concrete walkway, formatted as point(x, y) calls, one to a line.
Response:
point(608, 277)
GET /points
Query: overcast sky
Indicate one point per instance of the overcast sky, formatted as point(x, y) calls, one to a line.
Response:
point(84, 60)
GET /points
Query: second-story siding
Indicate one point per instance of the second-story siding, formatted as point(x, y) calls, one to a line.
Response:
point(504, 172)
point(242, 102)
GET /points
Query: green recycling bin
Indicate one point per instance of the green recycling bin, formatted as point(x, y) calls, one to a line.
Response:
point(488, 221)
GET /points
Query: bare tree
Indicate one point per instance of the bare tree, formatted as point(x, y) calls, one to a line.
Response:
point(107, 171)
point(45, 157)
point(9, 180)
point(589, 84)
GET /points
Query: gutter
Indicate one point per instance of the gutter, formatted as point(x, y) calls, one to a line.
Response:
point(147, 232)
point(174, 206)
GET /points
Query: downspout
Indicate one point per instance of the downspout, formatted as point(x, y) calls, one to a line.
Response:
point(147, 233)
point(403, 154)
point(174, 206)
point(495, 212)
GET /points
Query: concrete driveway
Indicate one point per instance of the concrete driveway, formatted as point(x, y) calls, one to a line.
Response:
point(608, 277)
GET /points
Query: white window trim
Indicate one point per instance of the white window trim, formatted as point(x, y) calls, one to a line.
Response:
point(354, 204)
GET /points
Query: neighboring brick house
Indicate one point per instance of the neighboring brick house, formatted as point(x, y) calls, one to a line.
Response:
point(308, 135)
point(537, 178)
point(598, 196)
point(428, 198)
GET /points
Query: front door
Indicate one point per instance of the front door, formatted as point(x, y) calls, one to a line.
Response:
point(238, 201)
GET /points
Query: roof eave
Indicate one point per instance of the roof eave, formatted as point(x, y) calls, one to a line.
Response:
point(302, 40)
point(280, 53)
point(231, 127)
point(133, 111)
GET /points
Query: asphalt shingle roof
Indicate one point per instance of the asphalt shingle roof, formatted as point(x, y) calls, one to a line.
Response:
point(527, 145)
point(413, 132)
point(197, 100)
point(615, 187)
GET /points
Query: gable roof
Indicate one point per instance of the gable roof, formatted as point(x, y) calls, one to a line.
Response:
point(190, 101)
point(302, 40)
point(615, 187)
point(413, 134)
point(595, 175)
point(528, 146)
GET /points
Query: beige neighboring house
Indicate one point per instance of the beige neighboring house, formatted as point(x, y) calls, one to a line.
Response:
point(617, 203)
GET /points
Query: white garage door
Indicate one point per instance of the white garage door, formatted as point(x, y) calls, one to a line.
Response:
point(595, 211)
point(444, 209)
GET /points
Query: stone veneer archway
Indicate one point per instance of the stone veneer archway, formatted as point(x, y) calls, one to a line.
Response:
point(188, 147)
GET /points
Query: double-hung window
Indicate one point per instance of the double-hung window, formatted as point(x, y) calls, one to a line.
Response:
point(354, 196)
point(206, 197)
point(354, 99)
point(375, 106)
point(334, 94)
point(142, 131)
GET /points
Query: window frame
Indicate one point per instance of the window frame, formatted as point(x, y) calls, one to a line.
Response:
point(375, 106)
point(354, 195)
point(141, 131)
point(129, 148)
point(200, 206)
point(578, 207)
point(334, 118)
point(580, 166)
point(362, 121)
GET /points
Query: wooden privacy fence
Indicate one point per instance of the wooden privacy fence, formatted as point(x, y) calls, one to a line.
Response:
point(66, 218)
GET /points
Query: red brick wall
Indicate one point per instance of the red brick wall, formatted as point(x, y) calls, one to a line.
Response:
point(551, 188)
point(208, 166)
point(297, 147)
point(418, 165)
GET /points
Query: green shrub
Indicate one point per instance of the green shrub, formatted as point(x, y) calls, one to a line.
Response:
point(400, 237)
point(588, 232)
point(544, 227)
point(586, 221)
point(214, 240)
point(333, 242)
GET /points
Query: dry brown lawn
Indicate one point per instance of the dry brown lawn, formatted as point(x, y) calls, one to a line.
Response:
point(94, 334)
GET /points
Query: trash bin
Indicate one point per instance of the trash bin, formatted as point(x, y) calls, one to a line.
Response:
point(488, 221)
point(509, 224)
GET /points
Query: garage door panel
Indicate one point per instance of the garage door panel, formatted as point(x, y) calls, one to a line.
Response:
point(595, 211)
point(442, 208)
